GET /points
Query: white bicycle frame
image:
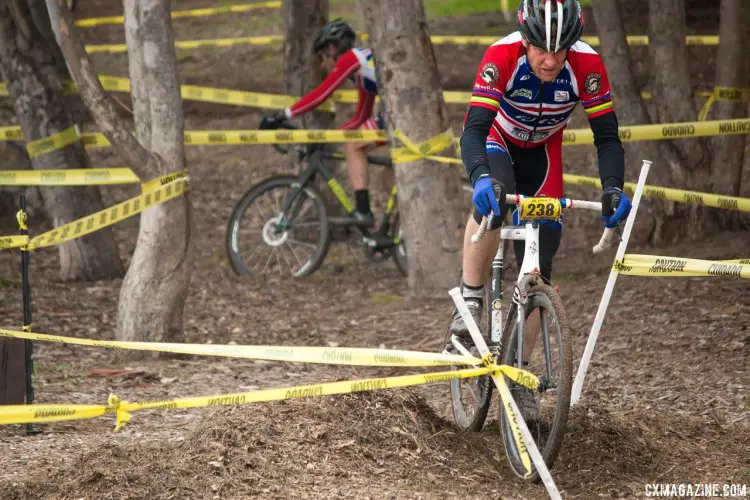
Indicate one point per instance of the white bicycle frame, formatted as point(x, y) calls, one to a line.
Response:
point(529, 233)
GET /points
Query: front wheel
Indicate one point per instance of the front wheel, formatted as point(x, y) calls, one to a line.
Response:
point(264, 240)
point(471, 397)
point(546, 410)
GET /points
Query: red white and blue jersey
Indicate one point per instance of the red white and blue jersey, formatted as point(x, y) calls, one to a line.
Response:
point(356, 65)
point(531, 112)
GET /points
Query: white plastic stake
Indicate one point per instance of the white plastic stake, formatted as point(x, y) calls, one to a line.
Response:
point(604, 303)
point(476, 336)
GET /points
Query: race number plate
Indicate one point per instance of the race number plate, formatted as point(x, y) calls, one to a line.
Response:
point(540, 208)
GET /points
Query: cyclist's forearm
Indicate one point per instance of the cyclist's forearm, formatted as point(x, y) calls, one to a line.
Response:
point(609, 150)
point(473, 140)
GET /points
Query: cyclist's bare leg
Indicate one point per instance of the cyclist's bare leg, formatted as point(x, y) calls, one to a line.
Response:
point(356, 163)
point(477, 258)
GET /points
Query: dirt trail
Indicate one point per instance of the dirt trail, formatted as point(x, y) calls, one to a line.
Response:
point(666, 399)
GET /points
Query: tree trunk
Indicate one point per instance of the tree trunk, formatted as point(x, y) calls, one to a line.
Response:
point(674, 102)
point(28, 66)
point(153, 293)
point(302, 72)
point(430, 199)
point(732, 70)
point(631, 110)
point(670, 76)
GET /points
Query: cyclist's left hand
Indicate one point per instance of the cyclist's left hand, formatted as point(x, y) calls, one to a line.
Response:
point(272, 121)
point(615, 207)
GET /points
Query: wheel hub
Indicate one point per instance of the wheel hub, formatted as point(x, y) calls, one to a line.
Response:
point(271, 235)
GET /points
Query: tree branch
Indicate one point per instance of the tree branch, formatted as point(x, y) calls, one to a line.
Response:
point(99, 103)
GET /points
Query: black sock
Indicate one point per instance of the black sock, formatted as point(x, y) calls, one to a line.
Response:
point(474, 293)
point(362, 199)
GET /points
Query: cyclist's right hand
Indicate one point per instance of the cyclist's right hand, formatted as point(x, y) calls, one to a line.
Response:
point(272, 121)
point(484, 197)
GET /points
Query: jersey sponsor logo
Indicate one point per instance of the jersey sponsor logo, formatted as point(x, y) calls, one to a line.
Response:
point(525, 135)
point(525, 77)
point(561, 95)
point(592, 83)
point(522, 93)
point(489, 73)
point(493, 147)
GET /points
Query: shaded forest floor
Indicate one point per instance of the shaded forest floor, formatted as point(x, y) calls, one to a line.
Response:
point(666, 398)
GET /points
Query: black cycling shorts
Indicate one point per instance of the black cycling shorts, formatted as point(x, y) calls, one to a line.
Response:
point(525, 171)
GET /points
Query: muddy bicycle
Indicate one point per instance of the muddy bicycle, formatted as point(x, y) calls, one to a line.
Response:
point(537, 304)
point(282, 223)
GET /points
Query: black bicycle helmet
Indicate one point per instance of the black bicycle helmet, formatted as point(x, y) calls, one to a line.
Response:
point(338, 33)
point(550, 24)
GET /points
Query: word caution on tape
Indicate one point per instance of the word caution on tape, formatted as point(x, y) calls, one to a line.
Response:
point(155, 192)
point(179, 14)
point(22, 414)
point(672, 194)
point(652, 265)
point(300, 354)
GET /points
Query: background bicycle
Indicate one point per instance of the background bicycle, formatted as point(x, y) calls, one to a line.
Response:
point(282, 225)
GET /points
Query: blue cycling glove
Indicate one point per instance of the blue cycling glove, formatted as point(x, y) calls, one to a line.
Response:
point(484, 197)
point(615, 207)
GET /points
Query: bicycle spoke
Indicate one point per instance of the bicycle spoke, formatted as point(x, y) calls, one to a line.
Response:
point(291, 248)
point(270, 255)
point(304, 210)
point(303, 243)
point(279, 250)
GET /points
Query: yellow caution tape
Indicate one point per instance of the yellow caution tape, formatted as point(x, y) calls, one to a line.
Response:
point(56, 141)
point(179, 14)
point(652, 265)
point(505, 397)
point(20, 414)
point(194, 44)
point(71, 177)
point(426, 149)
point(727, 94)
point(664, 131)
point(228, 137)
point(570, 137)
point(109, 216)
point(671, 194)
point(436, 40)
point(7, 242)
point(11, 133)
point(297, 354)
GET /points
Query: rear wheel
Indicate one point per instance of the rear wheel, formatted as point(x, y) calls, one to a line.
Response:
point(261, 240)
point(551, 361)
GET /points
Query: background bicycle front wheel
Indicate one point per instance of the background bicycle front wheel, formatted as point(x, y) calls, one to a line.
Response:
point(545, 411)
point(262, 241)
